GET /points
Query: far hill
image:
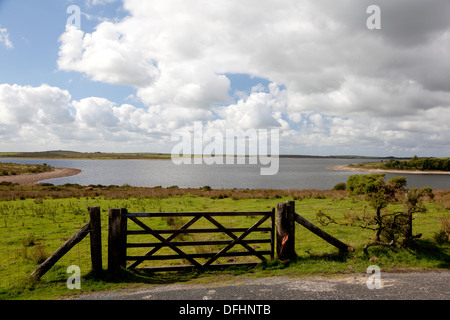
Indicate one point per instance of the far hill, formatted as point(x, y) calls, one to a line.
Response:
point(62, 154)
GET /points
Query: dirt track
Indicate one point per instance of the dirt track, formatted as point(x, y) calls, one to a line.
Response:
point(33, 178)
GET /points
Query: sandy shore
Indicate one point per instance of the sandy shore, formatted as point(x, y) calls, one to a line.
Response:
point(33, 178)
point(348, 168)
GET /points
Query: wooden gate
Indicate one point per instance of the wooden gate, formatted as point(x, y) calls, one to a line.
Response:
point(121, 232)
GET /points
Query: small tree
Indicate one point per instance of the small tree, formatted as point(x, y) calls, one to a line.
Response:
point(414, 204)
point(390, 228)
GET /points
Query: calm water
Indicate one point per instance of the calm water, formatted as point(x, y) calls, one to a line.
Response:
point(292, 174)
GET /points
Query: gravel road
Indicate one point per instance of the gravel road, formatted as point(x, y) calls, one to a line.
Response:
point(385, 286)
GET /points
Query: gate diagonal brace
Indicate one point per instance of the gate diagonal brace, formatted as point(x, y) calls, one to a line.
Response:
point(236, 240)
point(170, 238)
point(234, 237)
point(166, 242)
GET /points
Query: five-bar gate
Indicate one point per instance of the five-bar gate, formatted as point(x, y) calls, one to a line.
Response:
point(228, 244)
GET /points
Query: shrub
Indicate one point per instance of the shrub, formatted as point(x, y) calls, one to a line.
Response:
point(39, 254)
point(393, 228)
point(29, 241)
point(443, 236)
point(45, 184)
point(340, 186)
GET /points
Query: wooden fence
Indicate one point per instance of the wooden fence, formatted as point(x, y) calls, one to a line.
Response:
point(286, 219)
point(93, 228)
point(280, 231)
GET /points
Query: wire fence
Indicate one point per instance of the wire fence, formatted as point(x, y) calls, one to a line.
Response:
point(30, 231)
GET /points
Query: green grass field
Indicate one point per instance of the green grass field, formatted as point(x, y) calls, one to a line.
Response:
point(34, 224)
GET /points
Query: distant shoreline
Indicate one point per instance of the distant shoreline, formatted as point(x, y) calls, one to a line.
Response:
point(81, 158)
point(73, 155)
point(34, 178)
point(350, 168)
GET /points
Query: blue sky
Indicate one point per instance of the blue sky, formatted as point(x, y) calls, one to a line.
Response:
point(35, 27)
point(138, 70)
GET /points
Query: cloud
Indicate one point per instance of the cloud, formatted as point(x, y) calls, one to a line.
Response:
point(95, 112)
point(190, 86)
point(383, 98)
point(105, 56)
point(32, 117)
point(22, 105)
point(258, 110)
point(50, 117)
point(91, 3)
point(333, 82)
point(4, 38)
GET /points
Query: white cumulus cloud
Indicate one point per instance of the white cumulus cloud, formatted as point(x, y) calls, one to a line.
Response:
point(333, 81)
point(4, 38)
point(21, 105)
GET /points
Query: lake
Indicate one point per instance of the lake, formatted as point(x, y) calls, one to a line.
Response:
point(294, 173)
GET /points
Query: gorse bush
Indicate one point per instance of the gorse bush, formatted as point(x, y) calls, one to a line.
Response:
point(340, 186)
point(443, 235)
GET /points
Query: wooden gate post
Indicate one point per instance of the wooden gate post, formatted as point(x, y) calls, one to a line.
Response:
point(96, 241)
point(116, 240)
point(286, 231)
point(123, 237)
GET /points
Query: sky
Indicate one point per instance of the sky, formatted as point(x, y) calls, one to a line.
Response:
point(135, 71)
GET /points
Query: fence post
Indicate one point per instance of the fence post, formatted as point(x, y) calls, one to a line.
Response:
point(116, 236)
point(286, 231)
point(123, 237)
point(272, 234)
point(96, 241)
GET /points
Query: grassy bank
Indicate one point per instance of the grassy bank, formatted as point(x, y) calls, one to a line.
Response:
point(35, 221)
point(13, 169)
